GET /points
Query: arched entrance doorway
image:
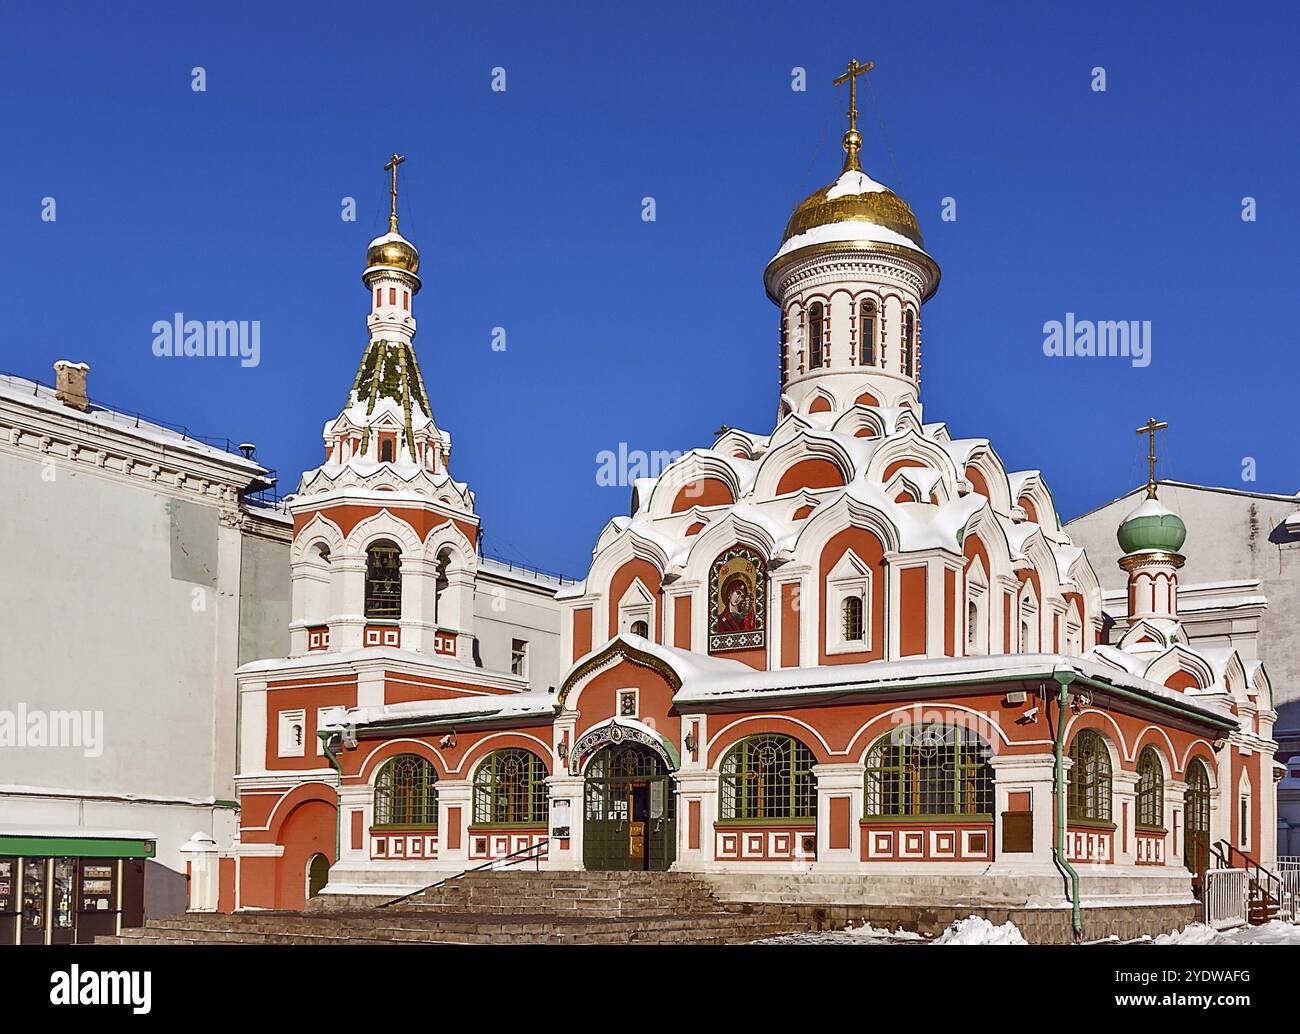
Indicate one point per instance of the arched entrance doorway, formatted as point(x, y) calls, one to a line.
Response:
point(628, 819)
point(1196, 819)
point(318, 874)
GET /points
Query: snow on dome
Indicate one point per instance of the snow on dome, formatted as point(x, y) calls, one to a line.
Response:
point(1151, 526)
point(853, 182)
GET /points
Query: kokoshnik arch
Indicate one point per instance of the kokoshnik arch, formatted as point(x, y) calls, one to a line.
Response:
point(852, 659)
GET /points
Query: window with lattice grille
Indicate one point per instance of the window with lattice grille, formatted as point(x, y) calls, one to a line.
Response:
point(406, 793)
point(851, 616)
point(510, 789)
point(929, 770)
point(867, 333)
point(383, 581)
point(1150, 791)
point(816, 334)
point(1088, 797)
point(769, 777)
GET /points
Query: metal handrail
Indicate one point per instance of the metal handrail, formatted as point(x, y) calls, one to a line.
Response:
point(1265, 881)
point(478, 868)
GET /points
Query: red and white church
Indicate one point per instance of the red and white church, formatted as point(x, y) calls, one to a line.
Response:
point(853, 659)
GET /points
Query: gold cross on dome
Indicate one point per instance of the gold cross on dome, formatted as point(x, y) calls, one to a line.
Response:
point(851, 77)
point(392, 164)
point(1149, 429)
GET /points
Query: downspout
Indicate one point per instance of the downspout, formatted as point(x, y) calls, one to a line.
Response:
point(338, 810)
point(1058, 789)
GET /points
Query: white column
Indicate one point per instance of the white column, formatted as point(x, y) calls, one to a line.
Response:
point(1123, 812)
point(843, 783)
point(347, 624)
point(205, 885)
point(1175, 821)
point(419, 578)
point(701, 786)
point(1032, 774)
point(453, 793)
point(566, 810)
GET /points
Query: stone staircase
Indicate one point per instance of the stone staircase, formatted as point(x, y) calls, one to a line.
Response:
point(502, 908)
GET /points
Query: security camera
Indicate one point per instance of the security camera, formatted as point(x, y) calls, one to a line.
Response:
point(1029, 717)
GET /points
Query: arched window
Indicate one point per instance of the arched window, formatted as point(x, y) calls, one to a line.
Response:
point(909, 343)
point(934, 769)
point(406, 792)
point(867, 333)
point(383, 580)
point(510, 789)
point(1196, 818)
point(1150, 791)
point(816, 322)
point(440, 583)
point(1088, 798)
point(641, 628)
point(851, 615)
point(768, 777)
point(385, 450)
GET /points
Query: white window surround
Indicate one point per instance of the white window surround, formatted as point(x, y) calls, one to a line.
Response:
point(849, 577)
point(977, 596)
point(519, 657)
point(1243, 812)
point(293, 734)
point(636, 605)
point(1029, 628)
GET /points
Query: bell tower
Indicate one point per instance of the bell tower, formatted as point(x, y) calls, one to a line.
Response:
point(385, 540)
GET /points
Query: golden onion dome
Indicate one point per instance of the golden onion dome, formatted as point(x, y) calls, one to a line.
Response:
point(393, 251)
point(854, 197)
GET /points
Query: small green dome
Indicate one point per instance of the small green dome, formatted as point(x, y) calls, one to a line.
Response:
point(1152, 526)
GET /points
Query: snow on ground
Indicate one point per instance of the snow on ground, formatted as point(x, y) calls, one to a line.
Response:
point(1276, 932)
point(977, 930)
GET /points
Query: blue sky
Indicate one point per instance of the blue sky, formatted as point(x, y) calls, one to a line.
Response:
point(526, 206)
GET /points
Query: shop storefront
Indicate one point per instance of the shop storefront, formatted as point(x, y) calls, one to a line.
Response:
point(67, 886)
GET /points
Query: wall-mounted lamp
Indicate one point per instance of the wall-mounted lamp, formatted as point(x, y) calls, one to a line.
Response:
point(563, 750)
point(692, 742)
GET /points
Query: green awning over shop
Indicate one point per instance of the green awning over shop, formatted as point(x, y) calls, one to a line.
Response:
point(75, 847)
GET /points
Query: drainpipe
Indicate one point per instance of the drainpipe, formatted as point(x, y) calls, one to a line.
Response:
point(338, 811)
point(1058, 788)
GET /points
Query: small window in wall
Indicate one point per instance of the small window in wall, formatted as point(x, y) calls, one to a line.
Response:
point(385, 450)
point(848, 605)
point(641, 628)
point(851, 615)
point(519, 657)
point(816, 334)
point(293, 734)
point(867, 333)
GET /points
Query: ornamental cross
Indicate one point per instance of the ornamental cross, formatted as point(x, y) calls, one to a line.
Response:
point(851, 77)
point(1149, 429)
point(392, 165)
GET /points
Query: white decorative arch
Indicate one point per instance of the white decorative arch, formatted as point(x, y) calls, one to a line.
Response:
point(318, 529)
point(449, 536)
point(383, 525)
point(1179, 658)
point(807, 445)
point(912, 445)
point(871, 731)
point(696, 465)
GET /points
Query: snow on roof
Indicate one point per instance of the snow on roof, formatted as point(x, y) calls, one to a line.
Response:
point(40, 396)
point(502, 706)
point(717, 687)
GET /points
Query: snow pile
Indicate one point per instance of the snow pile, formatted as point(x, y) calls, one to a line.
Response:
point(1275, 932)
point(978, 930)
